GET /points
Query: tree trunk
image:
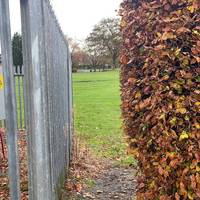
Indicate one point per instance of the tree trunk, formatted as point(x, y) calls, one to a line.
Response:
point(114, 58)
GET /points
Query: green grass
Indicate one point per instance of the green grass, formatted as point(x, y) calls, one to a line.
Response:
point(97, 113)
point(19, 92)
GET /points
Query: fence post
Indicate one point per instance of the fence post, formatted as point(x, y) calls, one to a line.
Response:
point(10, 104)
point(36, 100)
point(27, 98)
point(71, 112)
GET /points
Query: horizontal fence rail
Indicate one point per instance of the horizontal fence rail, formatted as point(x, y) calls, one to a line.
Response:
point(38, 98)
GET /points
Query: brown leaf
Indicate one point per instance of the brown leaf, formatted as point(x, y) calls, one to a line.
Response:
point(177, 197)
point(174, 163)
point(124, 60)
point(168, 35)
point(183, 30)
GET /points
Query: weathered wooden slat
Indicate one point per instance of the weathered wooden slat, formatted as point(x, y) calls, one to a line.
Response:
point(10, 104)
point(48, 97)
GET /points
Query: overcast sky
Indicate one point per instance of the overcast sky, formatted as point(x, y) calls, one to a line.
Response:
point(76, 17)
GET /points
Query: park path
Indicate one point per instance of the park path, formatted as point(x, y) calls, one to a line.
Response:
point(92, 178)
point(113, 183)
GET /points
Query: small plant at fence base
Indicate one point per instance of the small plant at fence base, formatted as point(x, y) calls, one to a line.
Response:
point(160, 85)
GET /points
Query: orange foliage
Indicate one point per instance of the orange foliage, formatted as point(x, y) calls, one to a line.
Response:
point(160, 92)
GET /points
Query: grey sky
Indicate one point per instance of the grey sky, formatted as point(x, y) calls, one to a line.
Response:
point(76, 17)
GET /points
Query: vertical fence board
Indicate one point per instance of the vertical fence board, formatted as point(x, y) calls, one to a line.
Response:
point(47, 69)
point(27, 87)
point(40, 179)
point(70, 96)
point(47, 86)
point(10, 105)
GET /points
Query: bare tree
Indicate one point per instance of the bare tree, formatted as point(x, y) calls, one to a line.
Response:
point(74, 48)
point(78, 54)
point(94, 55)
point(106, 39)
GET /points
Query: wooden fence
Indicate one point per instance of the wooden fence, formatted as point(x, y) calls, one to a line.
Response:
point(47, 87)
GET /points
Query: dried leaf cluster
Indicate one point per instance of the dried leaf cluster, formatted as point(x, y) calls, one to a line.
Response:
point(160, 92)
point(4, 182)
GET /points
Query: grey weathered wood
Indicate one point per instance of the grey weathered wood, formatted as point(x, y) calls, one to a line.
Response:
point(36, 105)
point(10, 104)
point(48, 98)
point(71, 112)
point(27, 87)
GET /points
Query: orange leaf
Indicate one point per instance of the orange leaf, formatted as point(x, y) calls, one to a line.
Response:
point(183, 30)
point(168, 35)
point(174, 163)
point(124, 60)
point(177, 197)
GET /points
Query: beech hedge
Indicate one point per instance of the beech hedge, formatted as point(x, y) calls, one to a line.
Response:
point(160, 92)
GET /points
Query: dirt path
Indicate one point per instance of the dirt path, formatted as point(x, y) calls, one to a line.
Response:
point(114, 183)
point(108, 183)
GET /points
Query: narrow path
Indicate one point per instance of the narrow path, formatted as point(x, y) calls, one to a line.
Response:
point(114, 183)
point(99, 172)
point(104, 181)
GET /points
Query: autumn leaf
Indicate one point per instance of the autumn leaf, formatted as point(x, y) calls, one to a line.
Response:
point(124, 59)
point(134, 152)
point(165, 95)
point(183, 30)
point(197, 103)
point(181, 110)
point(167, 35)
point(132, 80)
point(183, 135)
point(182, 189)
point(138, 95)
point(123, 23)
point(78, 187)
point(197, 125)
point(192, 8)
point(173, 121)
point(190, 195)
point(143, 104)
point(174, 163)
point(177, 196)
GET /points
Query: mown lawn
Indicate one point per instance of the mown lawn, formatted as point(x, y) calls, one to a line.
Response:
point(97, 113)
point(19, 92)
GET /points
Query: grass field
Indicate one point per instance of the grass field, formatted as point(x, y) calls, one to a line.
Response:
point(97, 113)
point(19, 92)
